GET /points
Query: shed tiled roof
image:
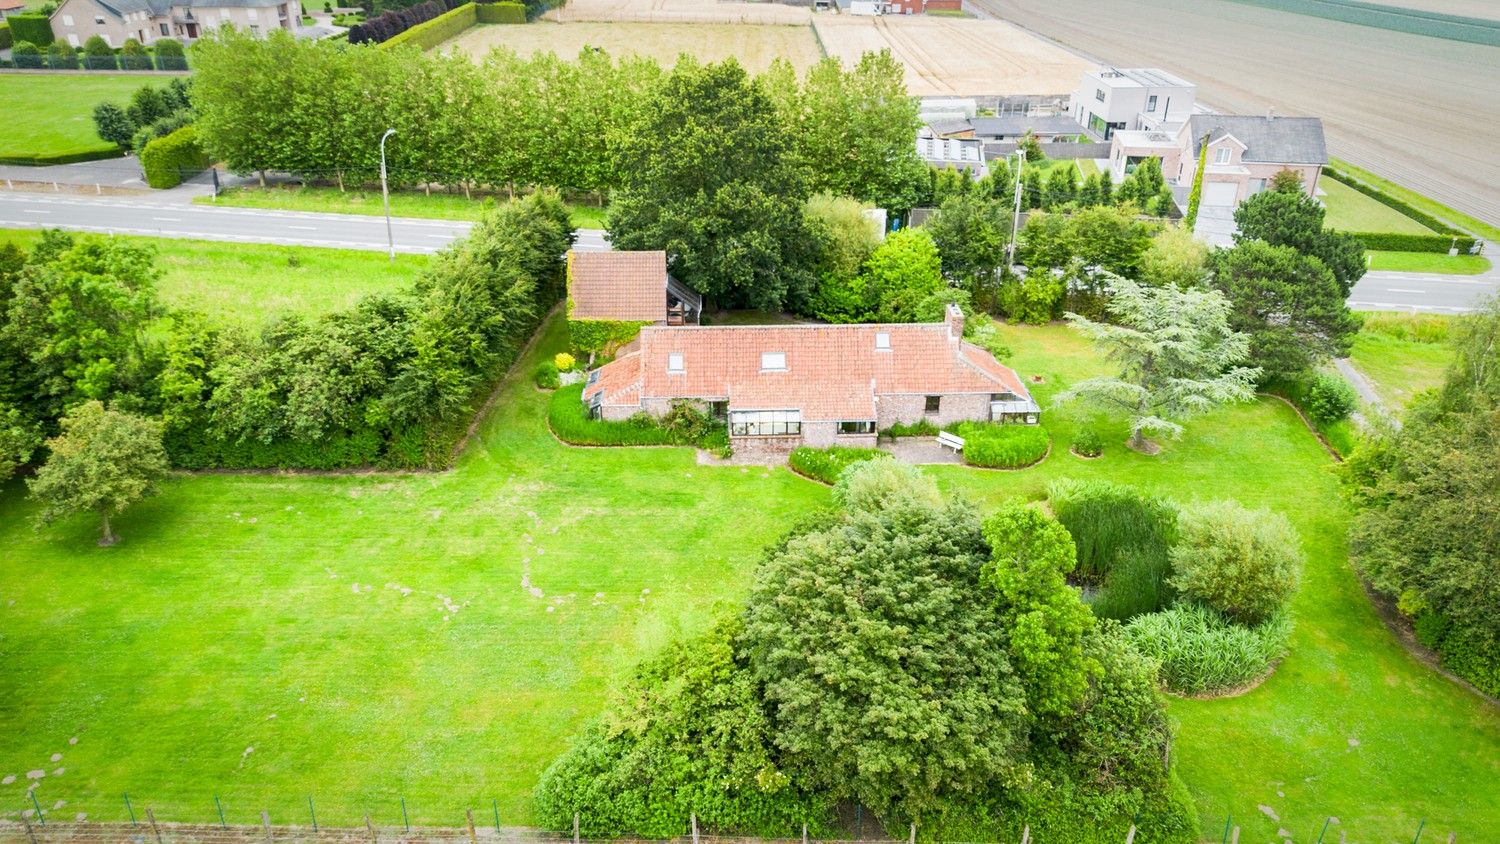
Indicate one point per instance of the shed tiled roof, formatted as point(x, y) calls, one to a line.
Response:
point(833, 372)
point(1267, 140)
point(625, 286)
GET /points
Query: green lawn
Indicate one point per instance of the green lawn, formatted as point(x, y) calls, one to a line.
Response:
point(1399, 368)
point(58, 111)
point(1429, 262)
point(439, 206)
point(257, 282)
point(1417, 200)
point(1351, 211)
point(373, 636)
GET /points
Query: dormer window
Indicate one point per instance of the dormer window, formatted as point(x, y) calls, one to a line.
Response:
point(773, 361)
point(883, 340)
point(674, 362)
point(1221, 155)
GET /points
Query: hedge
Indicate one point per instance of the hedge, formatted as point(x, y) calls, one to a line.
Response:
point(170, 159)
point(601, 336)
point(62, 157)
point(385, 28)
point(502, 13)
point(1392, 242)
point(5, 37)
point(34, 28)
point(826, 464)
point(570, 421)
point(1397, 203)
point(993, 445)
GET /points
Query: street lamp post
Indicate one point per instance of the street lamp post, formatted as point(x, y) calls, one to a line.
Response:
point(385, 194)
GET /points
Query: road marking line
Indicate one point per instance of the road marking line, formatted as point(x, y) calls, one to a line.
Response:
point(168, 219)
point(445, 236)
point(304, 228)
point(1401, 290)
point(34, 211)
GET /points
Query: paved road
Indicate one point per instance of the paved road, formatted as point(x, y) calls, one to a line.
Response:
point(1377, 291)
point(1425, 292)
point(239, 225)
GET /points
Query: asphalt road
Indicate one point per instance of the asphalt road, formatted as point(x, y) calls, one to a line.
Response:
point(239, 225)
point(1377, 291)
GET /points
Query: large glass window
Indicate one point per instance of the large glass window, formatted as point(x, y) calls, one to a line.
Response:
point(765, 423)
point(862, 427)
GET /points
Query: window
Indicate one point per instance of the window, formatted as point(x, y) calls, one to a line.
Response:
point(1151, 103)
point(773, 361)
point(1099, 94)
point(1006, 396)
point(164, 30)
point(674, 362)
point(883, 340)
point(934, 404)
point(857, 427)
point(765, 423)
point(1221, 155)
point(593, 377)
point(67, 20)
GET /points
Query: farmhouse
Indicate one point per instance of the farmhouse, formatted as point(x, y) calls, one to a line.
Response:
point(148, 20)
point(628, 287)
point(782, 386)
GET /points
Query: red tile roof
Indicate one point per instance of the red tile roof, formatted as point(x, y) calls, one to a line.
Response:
point(833, 372)
point(625, 286)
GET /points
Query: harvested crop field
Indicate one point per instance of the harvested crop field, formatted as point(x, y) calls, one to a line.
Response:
point(957, 56)
point(755, 46)
point(681, 11)
point(1414, 109)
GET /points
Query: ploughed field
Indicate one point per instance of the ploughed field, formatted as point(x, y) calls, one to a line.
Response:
point(1416, 109)
point(440, 637)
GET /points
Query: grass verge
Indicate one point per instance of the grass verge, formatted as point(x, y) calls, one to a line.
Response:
point(1429, 262)
point(437, 206)
point(1399, 367)
point(256, 283)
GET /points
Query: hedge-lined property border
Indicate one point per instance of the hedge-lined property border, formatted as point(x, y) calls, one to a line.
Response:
point(35, 29)
point(62, 157)
point(429, 34)
point(1447, 238)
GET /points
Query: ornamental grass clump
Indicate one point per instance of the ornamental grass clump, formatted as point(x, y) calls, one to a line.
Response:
point(826, 464)
point(1203, 653)
point(994, 446)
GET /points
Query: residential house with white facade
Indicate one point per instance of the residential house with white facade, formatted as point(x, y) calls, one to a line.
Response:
point(116, 21)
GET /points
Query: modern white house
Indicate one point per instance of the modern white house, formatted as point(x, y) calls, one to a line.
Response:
point(1109, 100)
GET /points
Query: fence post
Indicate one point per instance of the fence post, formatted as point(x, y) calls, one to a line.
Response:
point(1324, 831)
point(473, 837)
point(1130, 836)
point(406, 822)
point(220, 806)
point(1234, 836)
point(1414, 840)
point(151, 816)
point(575, 828)
point(131, 809)
point(695, 827)
point(495, 804)
point(913, 838)
point(313, 812)
point(804, 833)
point(370, 827)
point(30, 833)
point(1026, 835)
point(1228, 819)
point(265, 821)
point(39, 817)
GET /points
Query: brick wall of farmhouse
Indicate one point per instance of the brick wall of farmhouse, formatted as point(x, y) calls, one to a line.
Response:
point(769, 448)
point(965, 407)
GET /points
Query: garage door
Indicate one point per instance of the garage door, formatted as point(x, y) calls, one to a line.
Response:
point(1220, 193)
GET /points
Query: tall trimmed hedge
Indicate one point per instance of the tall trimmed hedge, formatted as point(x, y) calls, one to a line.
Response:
point(431, 33)
point(502, 13)
point(386, 26)
point(5, 36)
point(1382, 241)
point(36, 29)
point(171, 159)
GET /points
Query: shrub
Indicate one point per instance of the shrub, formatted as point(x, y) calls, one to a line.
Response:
point(826, 464)
point(1243, 563)
point(160, 129)
point(27, 56)
point(170, 55)
point(995, 446)
point(563, 361)
point(1124, 538)
point(1203, 653)
point(1087, 442)
point(133, 56)
point(32, 29)
point(62, 56)
point(1033, 300)
point(98, 55)
point(1330, 398)
point(570, 421)
point(546, 376)
point(502, 13)
point(1393, 242)
point(171, 159)
point(111, 124)
point(5, 36)
point(919, 428)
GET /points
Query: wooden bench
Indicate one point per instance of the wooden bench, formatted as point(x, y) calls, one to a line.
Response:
point(947, 440)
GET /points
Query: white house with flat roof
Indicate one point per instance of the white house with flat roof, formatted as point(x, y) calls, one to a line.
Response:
point(1139, 98)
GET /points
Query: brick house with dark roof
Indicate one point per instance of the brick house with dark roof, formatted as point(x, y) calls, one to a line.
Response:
point(628, 287)
point(781, 386)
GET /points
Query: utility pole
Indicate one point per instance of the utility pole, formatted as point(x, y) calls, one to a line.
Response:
point(385, 195)
point(1015, 221)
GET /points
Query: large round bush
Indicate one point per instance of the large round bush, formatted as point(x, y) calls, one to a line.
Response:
point(1330, 398)
point(1201, 652)
point(1243, 563)
point(994, 446)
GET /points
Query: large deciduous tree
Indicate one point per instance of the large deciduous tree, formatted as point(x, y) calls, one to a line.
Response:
point(1177, 356)
point(898, 276)
point(971, 234)
point(1288, 303)
point(101, 463)
point(708, 176)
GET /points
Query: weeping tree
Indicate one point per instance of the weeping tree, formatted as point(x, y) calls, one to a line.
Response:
point(1177, 357)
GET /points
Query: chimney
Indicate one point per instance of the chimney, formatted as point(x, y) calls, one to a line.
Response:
point(955, 320)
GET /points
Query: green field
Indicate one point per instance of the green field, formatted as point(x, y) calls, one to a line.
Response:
point(257, 282)
point(1351, 211)
point(374, 637)
point(1399, 368)
point(58, 111)
point(1430, 262)
point(438, 206)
